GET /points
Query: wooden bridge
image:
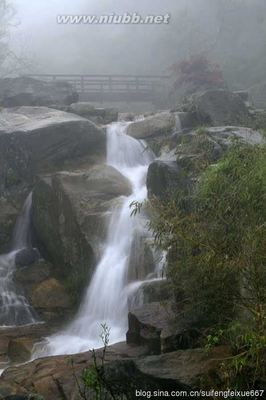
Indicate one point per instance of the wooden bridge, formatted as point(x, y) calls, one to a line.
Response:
point(101, 88)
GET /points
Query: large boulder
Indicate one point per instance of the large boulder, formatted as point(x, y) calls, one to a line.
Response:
point(97, 115)
point(153, 325)
point(125, 368)
point(25, 91)
point(70, 212)
point(185, 369)
point(26, 257)
point(34, 140)
point(220, 107)
point(154, 290)
point(47, 295)
point(156, 125)
point(164, 177)
point(16, 342)
point(227, 135)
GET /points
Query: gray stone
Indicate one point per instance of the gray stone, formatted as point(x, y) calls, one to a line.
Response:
point(154, 326)
point(185, 369)
point(154, 291)
point(97, 115)
point(164, 177)
point(226, 135)
point(35, 140)
point(26, 257)
point(220, 107)
point(24, 91)
point(160, 124)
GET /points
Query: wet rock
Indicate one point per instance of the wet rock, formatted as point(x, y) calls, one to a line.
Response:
point(141, 261)
point(29, 280)
point(19, 336)
point(26, 257)
point(160, 124)
point(24, 91)
point(153, 325)
point(52, 376)
point(154, 291)
point(35, 140)
point(165, 177)
point(126, 116)
point(97, 115)
point(226, 135)
point(220, 107)
point(70, 216)
point(126, 367)
point(186, 369)
point(33, 274)
point(50, 295)
point(19, 350)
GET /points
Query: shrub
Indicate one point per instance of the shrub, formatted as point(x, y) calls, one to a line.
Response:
point(216, 262)
point(216, 238)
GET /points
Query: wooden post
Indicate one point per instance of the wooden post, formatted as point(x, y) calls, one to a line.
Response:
point(110, 83)
point(82, 84)
point(137, 84)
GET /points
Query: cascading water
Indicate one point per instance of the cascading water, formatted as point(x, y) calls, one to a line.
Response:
point(14, 309)
point(106, 300)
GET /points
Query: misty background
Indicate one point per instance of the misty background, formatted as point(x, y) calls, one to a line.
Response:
point(231, 32)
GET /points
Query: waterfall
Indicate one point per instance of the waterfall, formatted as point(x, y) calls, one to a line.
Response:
point(106, 300)
point(14, 308)
point(21, 235)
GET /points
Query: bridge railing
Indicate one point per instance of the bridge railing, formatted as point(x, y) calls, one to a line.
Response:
point(89, 83)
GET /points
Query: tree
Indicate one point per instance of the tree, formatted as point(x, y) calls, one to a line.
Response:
point(197, 72)
point(6, 15)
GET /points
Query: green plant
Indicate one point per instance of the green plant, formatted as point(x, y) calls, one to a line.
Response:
point(216, 262)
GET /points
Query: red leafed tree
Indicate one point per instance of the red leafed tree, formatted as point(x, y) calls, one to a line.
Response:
point(198, 72)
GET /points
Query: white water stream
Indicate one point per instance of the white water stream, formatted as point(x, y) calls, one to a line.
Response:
point(106, 300)
point(14, 308)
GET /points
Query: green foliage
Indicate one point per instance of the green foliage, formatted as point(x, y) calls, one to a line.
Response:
point(136, 207)
point(217, 255)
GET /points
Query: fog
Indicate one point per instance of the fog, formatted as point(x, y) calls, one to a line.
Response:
point(231, 32)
